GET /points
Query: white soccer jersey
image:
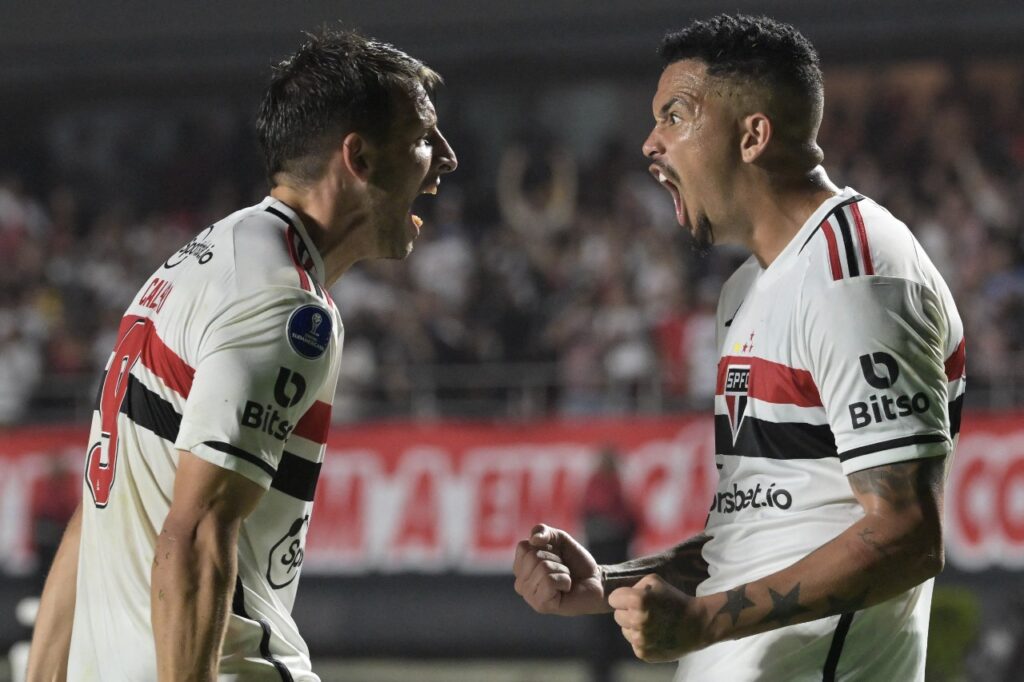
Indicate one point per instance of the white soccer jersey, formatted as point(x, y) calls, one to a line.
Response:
point(230, 351)
point(846, 353)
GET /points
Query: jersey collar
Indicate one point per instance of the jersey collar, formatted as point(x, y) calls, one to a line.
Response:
point(292, 218)
point(796, 244)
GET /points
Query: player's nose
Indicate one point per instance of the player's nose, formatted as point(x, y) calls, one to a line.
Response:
point(446, 159)
point(652, 145)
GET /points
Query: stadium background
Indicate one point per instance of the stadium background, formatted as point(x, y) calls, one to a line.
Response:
point(550, 308)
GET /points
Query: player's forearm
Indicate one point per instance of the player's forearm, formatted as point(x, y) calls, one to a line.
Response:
point(682, 566)
point(192, 577)
point(872, 561)
point(51, 638)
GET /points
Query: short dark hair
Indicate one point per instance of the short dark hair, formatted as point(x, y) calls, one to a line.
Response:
point(337, 82)
point(755, 48)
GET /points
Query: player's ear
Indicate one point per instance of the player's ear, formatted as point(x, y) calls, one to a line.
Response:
point(355, 153)
point(755, 134)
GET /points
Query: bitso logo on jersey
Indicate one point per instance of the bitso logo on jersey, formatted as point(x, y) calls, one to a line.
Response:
point(737, 379)
point(868, 364)
point(882, 407)
point(309, 331)
point(289, 387)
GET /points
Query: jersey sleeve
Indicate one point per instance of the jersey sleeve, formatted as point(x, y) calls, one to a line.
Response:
point(875, 348)
point(261, 365)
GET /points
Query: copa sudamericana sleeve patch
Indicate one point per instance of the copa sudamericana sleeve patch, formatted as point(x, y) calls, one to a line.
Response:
point(309, 331)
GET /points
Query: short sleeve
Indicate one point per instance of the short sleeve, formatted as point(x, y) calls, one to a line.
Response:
point(875, 349)
point(261, 365)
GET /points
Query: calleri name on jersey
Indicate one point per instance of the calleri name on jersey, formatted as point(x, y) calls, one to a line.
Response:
point(229, 351)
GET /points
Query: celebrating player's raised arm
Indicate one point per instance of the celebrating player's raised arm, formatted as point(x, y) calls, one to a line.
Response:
point(51, 637)
point(897, 545)
point(555, 574)
point(839, 386)
point(195, 565)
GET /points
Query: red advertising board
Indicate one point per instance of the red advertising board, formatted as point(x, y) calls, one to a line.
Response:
point(458, 496)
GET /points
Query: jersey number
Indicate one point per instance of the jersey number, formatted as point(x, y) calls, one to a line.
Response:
point(101, 462)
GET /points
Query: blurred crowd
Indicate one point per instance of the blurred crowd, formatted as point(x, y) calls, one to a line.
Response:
point(546, 285)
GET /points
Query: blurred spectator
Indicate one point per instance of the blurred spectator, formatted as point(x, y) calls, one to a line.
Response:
point(687, 348)
point(564, 280)
point(537, 196)
point(20, 371)
point(609, 525)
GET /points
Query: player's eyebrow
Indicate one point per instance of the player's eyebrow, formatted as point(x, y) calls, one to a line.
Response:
point(669, 103)
point(683, 98)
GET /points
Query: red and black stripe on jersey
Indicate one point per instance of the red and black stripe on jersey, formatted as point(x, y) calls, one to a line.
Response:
point(147, 409)
point(773, 382)
point(956, 375)
point(776, 383)
point(301, 257)
point(846, 241)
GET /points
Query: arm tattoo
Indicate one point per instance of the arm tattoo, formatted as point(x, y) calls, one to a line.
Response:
point(735, 601)
point(867, 535)
point(903, 484)
point(785, 607)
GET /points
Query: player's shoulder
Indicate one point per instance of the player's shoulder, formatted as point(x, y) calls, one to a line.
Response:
point(258, 241)
point(857, 240)
point(271, 252)
point(891, 245)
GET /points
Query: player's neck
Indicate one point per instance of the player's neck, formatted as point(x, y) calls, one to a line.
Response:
point(781, 208)
point(331, 230)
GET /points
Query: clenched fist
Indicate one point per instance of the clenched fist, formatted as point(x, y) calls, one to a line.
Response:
point(555, 574)
point(661, 622)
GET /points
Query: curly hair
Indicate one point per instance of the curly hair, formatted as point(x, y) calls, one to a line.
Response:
point(758, 49)
point(337, 82)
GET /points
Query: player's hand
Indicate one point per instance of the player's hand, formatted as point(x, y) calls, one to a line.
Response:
point(660, 622)
point(555, 574)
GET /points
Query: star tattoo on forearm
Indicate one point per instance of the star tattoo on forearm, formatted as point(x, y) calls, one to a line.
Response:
point(785, 607)
point(735, 602)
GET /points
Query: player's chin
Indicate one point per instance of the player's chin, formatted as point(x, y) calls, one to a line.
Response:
point(397, 254)
point(400, 250)
point(399, 242)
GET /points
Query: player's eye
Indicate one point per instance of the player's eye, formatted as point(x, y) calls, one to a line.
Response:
point(674, 118)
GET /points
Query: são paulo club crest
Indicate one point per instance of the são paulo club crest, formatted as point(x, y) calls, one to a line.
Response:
point(737, 379)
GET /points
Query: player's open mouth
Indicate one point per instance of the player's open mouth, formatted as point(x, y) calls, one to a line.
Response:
point(430, 187)
point(659, 174)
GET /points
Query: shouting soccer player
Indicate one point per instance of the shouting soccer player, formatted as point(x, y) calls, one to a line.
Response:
point(183, 561)
point(840, 381)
